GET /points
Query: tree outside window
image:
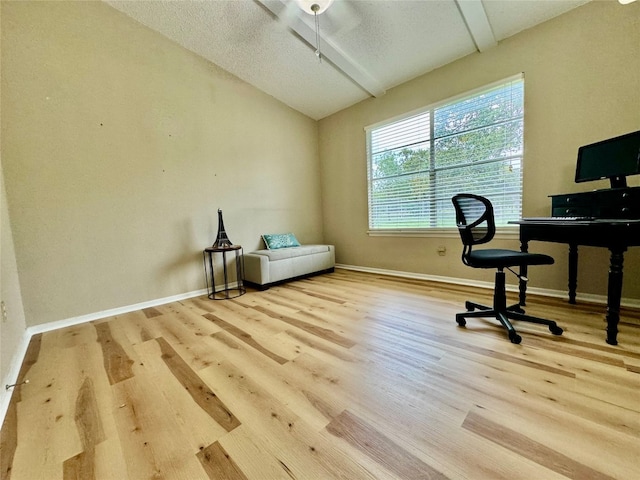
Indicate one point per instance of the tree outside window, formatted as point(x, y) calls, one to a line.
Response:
point(473, 144)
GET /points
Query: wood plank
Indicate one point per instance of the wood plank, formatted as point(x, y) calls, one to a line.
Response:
point(80, 466)
point(206, 399)
point(151, 312)
point(135, 327)
point(87, 417)
point(55, 399)
point(154, 443)
point(321, 332)
point(245, 337)
point(299, 449)
point(91, 433)
point(8, 440)
point(117, 363)
point(289, 386)
point(346, 375)
point(513, 389)
point(535, 451)
point(196, 426)
point(218, 464)
point(380, 448)
point(186, 335)
point(9, 432)
point(255, 461)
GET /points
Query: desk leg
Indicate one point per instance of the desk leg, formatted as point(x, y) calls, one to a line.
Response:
point(573, 272)
point(614, 294)
point(522, 285)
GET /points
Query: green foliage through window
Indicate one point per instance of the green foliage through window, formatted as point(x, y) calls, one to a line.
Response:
point(473, 145)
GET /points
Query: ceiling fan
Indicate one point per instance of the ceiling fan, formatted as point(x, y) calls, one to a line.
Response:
point(327, 18)
point(337, 17)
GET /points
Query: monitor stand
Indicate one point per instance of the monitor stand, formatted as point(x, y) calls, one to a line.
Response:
point(618, 182)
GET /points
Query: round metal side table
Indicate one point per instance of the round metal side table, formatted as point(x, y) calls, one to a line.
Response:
point(229, 288)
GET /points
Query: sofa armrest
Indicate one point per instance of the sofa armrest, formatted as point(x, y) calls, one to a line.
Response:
point(256, 268)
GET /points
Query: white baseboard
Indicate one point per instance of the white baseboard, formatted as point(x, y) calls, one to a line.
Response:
point(47, 327)
point(585, 297)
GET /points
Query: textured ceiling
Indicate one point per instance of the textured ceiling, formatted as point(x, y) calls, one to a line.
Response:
point(368, 46)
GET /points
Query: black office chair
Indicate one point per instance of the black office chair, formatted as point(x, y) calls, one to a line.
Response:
point(476, 224)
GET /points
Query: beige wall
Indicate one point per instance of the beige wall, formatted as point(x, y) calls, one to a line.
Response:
point(12, 321)
point(119, 146)
point(582, 84)
point(12, 325)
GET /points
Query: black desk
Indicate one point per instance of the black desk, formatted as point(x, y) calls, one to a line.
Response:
point(616, 235)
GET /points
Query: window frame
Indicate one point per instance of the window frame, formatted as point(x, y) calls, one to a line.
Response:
point(504, 232)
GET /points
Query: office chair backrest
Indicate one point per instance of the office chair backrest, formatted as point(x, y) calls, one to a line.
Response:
point(474, 218)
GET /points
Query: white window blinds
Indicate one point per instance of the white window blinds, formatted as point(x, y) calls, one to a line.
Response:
point(473, 144)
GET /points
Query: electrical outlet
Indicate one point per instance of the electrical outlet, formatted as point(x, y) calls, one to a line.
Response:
point(442, 250)
point(3, 306)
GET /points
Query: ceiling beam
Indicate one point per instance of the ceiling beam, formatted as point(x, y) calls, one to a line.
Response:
point(475, 17)
point(330, 52)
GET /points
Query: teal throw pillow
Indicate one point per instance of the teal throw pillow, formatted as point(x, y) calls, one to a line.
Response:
point(274, 241)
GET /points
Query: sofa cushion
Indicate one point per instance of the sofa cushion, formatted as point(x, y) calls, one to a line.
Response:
point(274, 241)
point(282, 253)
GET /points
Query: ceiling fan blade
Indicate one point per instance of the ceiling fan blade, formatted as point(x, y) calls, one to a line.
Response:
point(290, 12)
point(340, 17)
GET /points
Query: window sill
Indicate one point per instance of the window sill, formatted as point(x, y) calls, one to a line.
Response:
point(507, 233)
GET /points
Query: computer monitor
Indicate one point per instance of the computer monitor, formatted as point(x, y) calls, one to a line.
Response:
point(615, 159)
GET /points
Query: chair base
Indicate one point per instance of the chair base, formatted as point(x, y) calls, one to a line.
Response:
point(503, 313)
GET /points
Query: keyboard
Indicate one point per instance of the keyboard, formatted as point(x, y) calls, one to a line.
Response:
point(559, 219)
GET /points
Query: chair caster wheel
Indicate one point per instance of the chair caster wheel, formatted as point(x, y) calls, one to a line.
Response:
point(469, 306)
point(555, 329)
point(514, 337)
point(461, 321)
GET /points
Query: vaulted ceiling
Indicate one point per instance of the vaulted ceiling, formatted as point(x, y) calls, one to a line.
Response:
point(366, 46)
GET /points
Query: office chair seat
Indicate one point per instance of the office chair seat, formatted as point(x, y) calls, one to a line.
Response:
point(476, 225)
point(500, 258)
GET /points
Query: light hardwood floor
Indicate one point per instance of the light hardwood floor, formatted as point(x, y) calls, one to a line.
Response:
point(346, 375)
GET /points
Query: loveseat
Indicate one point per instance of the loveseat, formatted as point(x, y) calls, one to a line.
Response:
point(285, 259)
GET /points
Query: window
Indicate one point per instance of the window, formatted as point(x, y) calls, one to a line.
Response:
point(471, 144)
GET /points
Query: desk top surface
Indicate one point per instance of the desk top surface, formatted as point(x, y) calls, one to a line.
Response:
point(563, 221)
point(610, 233)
